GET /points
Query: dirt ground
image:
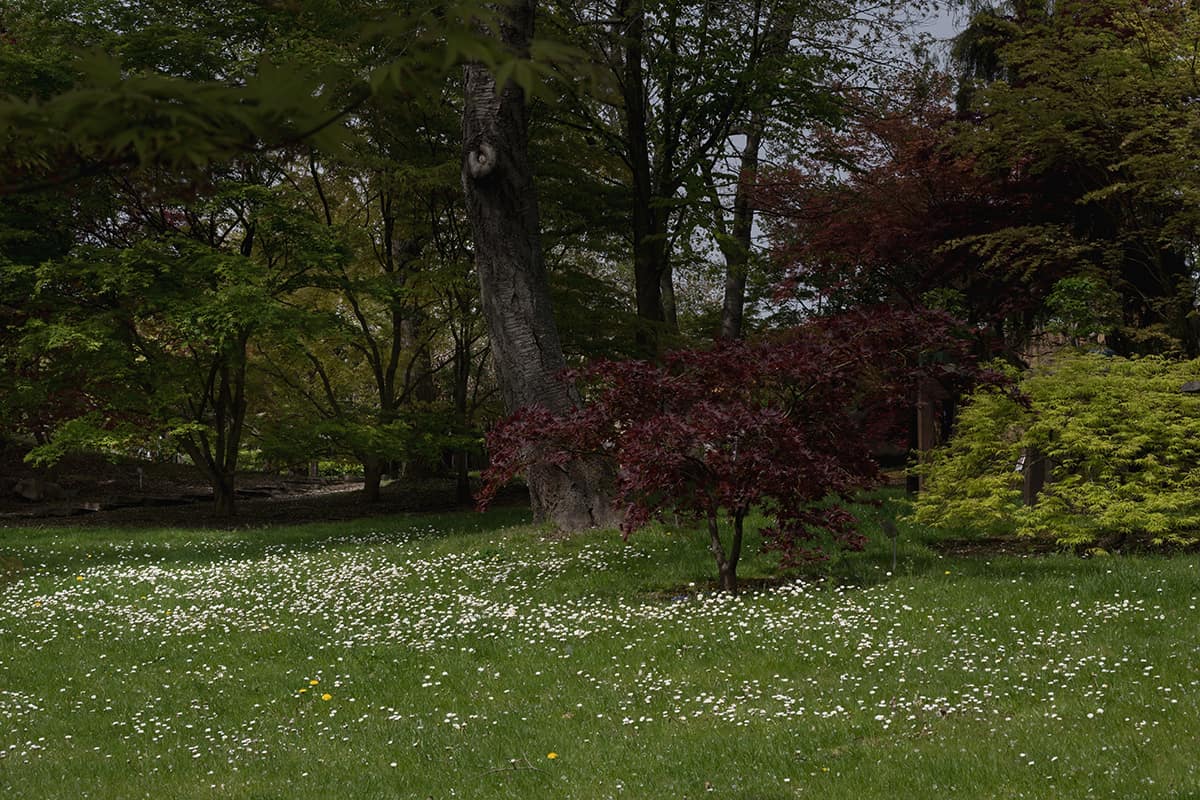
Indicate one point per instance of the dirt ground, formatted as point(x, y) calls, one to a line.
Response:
point(127, 493)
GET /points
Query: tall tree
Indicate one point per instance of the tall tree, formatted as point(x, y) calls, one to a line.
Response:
point(502, 206)
point(682, 75)
point(34, 228)
point(154, 318)
point(365, 365)
point(735, 239)
point(690, 81)
point(1092, 104)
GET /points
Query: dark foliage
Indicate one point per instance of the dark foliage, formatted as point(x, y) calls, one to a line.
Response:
point(907, 222)
point(784, 424)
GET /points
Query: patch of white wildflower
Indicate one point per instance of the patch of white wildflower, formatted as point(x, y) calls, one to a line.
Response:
point(863, 655)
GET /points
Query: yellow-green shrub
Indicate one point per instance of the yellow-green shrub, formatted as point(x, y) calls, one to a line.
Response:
point(1123, 444)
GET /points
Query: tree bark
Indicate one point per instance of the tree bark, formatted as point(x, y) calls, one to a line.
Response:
point(737, 252)
point(225, 496)
point(926, 428)
point(502, 207)
point(221, 413)
point(372, 477)
point(726, 564)
point(912, 478)
point(462, 477)
point(737, 249)
point(223, 483)
point(651, 254)
point(460, 459)
point(666, 283)
point(1033, 475)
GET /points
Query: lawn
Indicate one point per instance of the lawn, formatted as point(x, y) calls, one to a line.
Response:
point(474, 656)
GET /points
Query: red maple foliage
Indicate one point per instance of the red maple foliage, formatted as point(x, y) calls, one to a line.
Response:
point(885, 213)
point(785, 425)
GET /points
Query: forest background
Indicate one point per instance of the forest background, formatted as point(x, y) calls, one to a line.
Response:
point(267, 234)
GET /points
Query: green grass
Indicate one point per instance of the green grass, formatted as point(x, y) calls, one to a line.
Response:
point(459, 651)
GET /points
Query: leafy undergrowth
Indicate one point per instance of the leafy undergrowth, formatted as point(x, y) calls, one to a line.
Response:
point(453, 657)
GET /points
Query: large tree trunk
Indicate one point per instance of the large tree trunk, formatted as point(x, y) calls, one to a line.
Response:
point(502, 206)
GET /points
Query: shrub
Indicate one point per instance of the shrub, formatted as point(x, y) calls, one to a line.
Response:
point(785, 425)
point(1122, 444)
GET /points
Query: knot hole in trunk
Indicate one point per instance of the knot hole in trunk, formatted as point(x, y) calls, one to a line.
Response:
point(481, 160)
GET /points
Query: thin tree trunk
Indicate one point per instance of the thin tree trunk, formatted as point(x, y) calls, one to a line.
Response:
point(460, 459)
point(372, 477)
point(502, 207)
point(420, 372)
point(726, 564)
point(912, 479)
point(222, 483)
point(215, 450)
point(650, 250)
point(735, 551)
point(667, 288)
point(462, 478)
point(225, 496)
point(737, 251)
point(649, 276)
point(776, 42)
point(926, 427)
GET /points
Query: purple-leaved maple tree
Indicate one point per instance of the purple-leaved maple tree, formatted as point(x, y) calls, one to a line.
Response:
point(785, 425)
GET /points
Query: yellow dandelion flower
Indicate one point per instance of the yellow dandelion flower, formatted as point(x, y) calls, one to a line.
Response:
point(302, 691)
point(327, 696)
point(313, 682)
point(78, 577)
point(551, 755)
